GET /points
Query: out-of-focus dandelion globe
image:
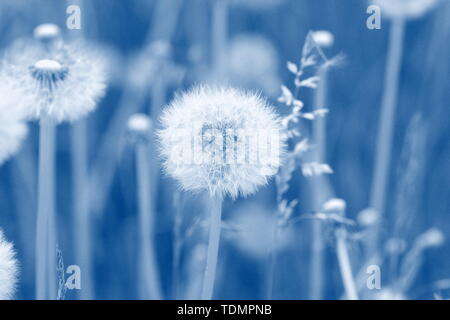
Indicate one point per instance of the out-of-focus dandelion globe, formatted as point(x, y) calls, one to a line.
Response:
point(253, 63)
point(323, 38)
point(259, 4)
point(222, 140)
point(8, 269)
point(433, 237)
point(405, 8)
point(13, 129)
point(64, 82)
point(389, 294)
point(255, 230)
point(139, 122)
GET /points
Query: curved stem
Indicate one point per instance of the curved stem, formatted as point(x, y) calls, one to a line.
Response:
point(213, 248)
point(345, 266)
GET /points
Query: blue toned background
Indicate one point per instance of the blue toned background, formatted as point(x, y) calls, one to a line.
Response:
point(158, 47)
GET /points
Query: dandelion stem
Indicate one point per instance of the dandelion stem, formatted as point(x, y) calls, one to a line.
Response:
point(386, 125)
point(81, 207)
point(148, 270)
point(177, 241)
point(45, 226)
point(213, 248)
point(345, 266)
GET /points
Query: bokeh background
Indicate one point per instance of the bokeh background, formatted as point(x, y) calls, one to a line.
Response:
point(158, 47)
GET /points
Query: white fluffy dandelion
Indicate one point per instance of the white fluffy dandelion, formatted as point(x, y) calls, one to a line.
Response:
point(8, 269)
point(65, 82)
point(405, 8)
point(12, 127)
point(222, 140)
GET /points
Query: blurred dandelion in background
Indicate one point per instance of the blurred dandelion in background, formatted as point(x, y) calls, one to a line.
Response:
point(13, 128)
point(247, 223)
point(252, 63)
point(408, 9)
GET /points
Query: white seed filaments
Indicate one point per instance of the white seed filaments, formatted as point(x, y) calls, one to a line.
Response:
point(8, 269)
point(49, 73)
point(222, 140)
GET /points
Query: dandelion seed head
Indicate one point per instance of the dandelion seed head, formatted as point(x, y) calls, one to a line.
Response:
point(335, 205)
point(47, 32)
point(389, 294)
point(254, 228)
point(405, 8)
point(8, 269)
point(367, 217)
point(253, 63)
point(13, 129)
point(323, 38)
point(431, 238)
point(139, 123)
point(64, 83)
point(259, 4)
point(207, 141)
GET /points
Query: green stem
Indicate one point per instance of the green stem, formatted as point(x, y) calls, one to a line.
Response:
point(213, 248)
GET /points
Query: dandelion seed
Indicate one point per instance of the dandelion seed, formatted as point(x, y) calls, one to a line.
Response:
point(221, 118)
point(8, 269)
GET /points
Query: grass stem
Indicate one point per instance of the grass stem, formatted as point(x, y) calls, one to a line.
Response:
point(148, 270)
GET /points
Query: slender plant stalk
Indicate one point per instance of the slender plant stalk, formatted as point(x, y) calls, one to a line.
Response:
point(148, 270)
point(213, 248)
point(164, 24)
point(83, 235)
point(177, 241)
point(345, 266)
point(45, 226)
point(386, 126)
point(273, 254)
point(317, 246)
